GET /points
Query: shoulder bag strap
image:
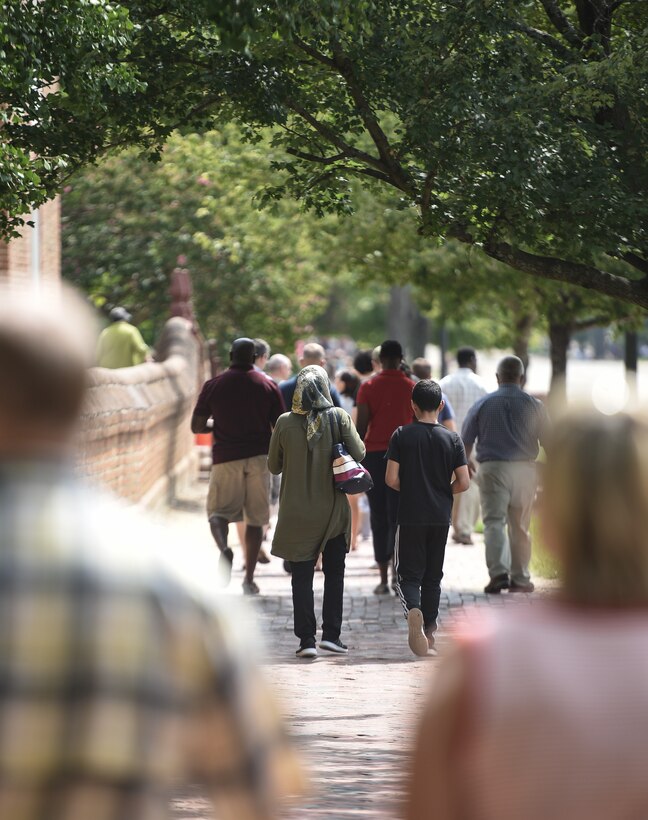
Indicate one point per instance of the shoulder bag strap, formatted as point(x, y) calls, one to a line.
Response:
point(330, 414)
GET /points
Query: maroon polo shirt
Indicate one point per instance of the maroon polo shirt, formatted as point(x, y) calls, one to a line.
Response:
point(244, 404)
point(389, 397)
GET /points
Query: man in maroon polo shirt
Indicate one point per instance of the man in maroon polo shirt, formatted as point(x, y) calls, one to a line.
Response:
point(384, 403)
point(244, 405)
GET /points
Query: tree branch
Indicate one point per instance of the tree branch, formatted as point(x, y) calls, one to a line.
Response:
point(341, 64)
point(561, 270)
point(315, 158)
point(614, 6)
point(603, 320)
point(426, 196)
point(380, 140)
point(546, 39)
point(314, 53)
point(334, 138)
point(561, 23)
point(370, 172)
point(636, 261)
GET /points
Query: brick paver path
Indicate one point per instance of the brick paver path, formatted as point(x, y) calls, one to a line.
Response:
point(353, 716)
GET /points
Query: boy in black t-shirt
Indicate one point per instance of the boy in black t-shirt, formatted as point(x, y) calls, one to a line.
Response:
point(422, 458)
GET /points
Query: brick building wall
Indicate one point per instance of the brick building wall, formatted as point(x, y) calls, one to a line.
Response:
point(24, 260)
point(135, 436)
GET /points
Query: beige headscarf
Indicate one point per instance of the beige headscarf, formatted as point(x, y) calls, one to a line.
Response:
point(312, 398)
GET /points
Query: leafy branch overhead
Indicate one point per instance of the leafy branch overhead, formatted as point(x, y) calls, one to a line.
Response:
point(518, 126)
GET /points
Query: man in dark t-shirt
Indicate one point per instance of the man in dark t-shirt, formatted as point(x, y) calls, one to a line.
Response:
point(422, 459)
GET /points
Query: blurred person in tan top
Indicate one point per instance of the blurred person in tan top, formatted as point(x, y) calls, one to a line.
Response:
point(124, 676)
point(543, 712)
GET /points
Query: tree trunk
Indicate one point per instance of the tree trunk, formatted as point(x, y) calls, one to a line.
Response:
point(420, 334)
point(406, 323)
point(443, 347)
point(598, 335)
point(631, 351)
point(522, 333)
point(559, 339)
point(631, 360)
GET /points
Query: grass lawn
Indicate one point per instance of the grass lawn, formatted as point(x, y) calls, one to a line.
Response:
point(542, 563)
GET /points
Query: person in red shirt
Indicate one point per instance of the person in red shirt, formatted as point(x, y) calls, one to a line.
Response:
point(244, 405)
point(384, 403)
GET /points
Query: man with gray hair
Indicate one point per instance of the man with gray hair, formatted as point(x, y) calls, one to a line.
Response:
point(313, 353)
point(262, 351)
point(508, 426)
point(279, 368)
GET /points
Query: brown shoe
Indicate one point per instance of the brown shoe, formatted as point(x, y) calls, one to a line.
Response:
point(497, 584)
point(463, 539)
point(263, 558)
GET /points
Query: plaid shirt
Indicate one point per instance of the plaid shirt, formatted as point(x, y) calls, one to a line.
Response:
point(122, 676)
point(463, 388)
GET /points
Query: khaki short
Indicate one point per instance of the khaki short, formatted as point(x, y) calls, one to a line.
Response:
point(239, 490)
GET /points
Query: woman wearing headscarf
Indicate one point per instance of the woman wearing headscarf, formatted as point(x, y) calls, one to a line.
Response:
point(314, 517)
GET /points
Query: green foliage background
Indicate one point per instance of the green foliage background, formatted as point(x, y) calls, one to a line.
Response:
point(128, 222)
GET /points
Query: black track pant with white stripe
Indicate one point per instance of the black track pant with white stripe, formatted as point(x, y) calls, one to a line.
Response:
point(418, 561)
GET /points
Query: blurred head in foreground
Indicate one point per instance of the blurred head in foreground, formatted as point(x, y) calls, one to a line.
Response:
point(595, 506)
point(126, 673)
point(47, 341)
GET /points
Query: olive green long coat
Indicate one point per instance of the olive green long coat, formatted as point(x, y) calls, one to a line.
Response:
point(311, 510)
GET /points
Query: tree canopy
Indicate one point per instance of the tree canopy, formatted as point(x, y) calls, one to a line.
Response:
point(519, 126)
point(128, 223)
point(79, 78)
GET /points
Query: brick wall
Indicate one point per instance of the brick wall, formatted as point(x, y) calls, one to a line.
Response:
point(16, 256)
point(135, 431)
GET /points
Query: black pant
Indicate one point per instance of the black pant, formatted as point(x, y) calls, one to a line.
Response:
point(383, 506)
point(333, 558)
point(418, 561)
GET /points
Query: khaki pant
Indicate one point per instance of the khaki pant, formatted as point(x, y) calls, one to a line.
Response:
point(239, 490)
point(507, 491)
point(465, 511)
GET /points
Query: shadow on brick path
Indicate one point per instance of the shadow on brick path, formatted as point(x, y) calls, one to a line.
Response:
point(353, 717)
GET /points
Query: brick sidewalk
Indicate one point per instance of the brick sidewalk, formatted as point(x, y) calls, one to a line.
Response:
point(353, 716)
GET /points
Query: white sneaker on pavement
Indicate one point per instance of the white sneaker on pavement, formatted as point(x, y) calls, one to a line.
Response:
point(417, 638)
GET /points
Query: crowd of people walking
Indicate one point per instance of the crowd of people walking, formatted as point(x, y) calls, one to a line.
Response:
point(125, 674)
point(403, 427)
point(510, 697)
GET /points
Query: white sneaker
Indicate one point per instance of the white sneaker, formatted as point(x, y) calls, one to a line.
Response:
point(417, 638)
point(334, 646)
point(306, 652)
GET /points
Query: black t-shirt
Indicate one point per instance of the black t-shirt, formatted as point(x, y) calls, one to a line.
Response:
point(428, 454)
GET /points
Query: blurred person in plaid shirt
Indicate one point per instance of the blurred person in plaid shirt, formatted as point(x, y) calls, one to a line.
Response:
point(122, 675)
